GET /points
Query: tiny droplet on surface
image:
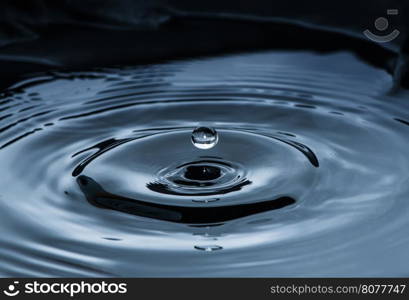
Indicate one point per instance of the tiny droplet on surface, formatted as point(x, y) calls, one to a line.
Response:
point(209, 248)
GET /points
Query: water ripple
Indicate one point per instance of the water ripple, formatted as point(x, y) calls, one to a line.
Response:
point(309, 176)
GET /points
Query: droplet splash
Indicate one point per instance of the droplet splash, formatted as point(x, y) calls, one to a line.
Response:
point(204, 138)
point(308, 156)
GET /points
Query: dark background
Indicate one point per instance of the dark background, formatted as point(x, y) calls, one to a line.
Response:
point(42, 35)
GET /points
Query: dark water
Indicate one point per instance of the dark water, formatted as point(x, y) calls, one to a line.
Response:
point(309, 176)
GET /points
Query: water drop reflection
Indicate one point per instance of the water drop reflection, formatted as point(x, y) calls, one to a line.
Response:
point(204, 138)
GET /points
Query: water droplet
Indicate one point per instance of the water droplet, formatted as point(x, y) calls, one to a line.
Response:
point(204, 137)
point(205, 200)
point(209, 248)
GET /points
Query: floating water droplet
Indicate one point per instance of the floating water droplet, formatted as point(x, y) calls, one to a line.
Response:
point(209, 248)
point(204, 137)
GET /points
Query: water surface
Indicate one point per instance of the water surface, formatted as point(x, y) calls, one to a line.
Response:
point(309, 176)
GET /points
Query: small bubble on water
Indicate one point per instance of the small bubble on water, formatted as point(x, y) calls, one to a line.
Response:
point(204, 137)
point(205, 200)
point(209, 248)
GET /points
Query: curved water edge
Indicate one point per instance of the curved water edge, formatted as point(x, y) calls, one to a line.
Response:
point(308, 176)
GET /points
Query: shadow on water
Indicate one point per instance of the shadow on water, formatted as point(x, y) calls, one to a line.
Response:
point(97, 196)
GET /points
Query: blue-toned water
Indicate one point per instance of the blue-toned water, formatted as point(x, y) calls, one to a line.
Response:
point(307, 173)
